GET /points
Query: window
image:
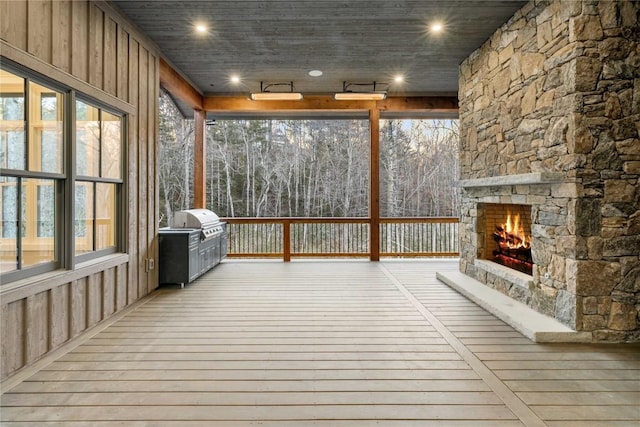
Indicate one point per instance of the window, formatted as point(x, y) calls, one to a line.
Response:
point(31, 153)
point(39, 184)
point(12, 117)
point(99, 178)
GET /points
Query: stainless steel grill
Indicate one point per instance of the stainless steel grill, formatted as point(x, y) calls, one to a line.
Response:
point(205, 220)
point(195, 243)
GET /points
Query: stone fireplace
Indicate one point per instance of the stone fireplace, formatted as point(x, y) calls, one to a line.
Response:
point(549, 113)
point(542, 202)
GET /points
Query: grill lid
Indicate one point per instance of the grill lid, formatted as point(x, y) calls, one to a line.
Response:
point(204, 219)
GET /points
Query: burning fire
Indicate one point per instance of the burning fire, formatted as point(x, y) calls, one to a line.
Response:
point(511, 234)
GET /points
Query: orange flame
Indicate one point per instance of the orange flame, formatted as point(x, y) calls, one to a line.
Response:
point(513, 235)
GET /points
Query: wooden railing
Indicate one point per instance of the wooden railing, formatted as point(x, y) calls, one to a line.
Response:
point(340, 237)
point(419, 237)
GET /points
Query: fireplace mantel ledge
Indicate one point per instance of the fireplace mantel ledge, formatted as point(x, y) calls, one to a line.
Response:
point(533, 178)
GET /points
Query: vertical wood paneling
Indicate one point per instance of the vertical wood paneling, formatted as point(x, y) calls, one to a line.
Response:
point(108, 293)
point(80, 40)
point(94, 299)
point(78, 306)
point(156, 218)
point(39, 29)
point(84, 39)
point(13, 345)
point(121, 287)
point(143, 140)
point(110, 51)
point(37, 331)
point(61, 23)
point(96, 46)
point(122, 61)
point(13, 18)
point(151, 169)
point(59, 315)
point(134, 271)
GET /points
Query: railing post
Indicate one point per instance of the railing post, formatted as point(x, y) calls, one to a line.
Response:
point(286, 240)
point(200, 160)
point(374, 185)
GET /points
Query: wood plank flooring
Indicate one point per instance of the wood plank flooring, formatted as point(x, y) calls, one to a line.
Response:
point(326, 343)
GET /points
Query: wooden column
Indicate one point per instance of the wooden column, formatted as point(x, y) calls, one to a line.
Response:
point(286, 241)
point(199, 161)
point(374, 185)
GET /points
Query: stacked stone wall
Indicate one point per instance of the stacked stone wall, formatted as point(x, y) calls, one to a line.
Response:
point(557, 89)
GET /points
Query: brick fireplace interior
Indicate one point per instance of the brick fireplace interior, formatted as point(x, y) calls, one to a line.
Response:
point(507, 231)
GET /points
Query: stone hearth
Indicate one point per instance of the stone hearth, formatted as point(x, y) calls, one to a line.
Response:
point(549, 113)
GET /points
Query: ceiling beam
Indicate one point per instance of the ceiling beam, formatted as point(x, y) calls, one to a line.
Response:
point(326, 103)
point(426, 104)
point(178, 86)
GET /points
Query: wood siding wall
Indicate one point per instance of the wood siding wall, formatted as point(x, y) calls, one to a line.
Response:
point(89, 47)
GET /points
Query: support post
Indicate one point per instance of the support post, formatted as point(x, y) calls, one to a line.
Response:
point(286, 241)
point(199, 161)
point(374, 185)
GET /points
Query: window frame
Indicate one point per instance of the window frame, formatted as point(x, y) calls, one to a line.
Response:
point(120, 187)
point(63, 237)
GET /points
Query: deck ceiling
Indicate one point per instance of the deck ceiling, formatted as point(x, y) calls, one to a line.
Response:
point(348, 40)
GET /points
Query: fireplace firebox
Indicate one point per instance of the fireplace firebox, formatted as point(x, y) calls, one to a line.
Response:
point(508, 236)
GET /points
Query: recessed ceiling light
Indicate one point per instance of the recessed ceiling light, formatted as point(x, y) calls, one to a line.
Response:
point(235, 79)
point(315, 73)
point(398, 79)
point(437, 27)
point(201, 28)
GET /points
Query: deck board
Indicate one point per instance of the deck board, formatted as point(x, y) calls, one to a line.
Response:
point(328, 343)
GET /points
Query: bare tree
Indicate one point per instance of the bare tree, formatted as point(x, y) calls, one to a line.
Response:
point(175, 159)
point(311, 168)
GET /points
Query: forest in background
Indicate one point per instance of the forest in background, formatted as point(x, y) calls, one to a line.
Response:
point(310, 168)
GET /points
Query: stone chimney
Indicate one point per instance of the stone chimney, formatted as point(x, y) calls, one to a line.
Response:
point(550, 118)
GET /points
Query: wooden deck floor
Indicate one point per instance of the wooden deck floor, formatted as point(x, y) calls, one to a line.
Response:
point(325, 344)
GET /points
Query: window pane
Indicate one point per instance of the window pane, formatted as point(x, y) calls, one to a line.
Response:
point(87, 140)
point(9, 224)
point(12, 149)
point(105, 215)
point(46, 209)
point(12, 121)
point(49, 158)
point(12, 104)
point(111, 145)
point(84, 217)
point(45, 129)
point(37, 249)
point(9, 207)
point(48, 106)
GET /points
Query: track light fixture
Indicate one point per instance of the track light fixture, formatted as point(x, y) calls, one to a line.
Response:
point(265, 93)
point(350, 92)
